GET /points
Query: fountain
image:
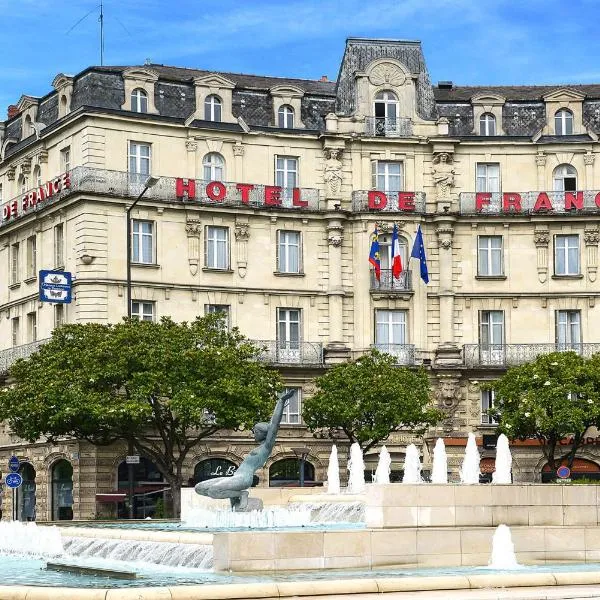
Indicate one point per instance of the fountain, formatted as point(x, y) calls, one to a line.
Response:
point(469, 471)
point(333, 472)
point(382, 473)
point(503, 550)
point(439, 471)
point(412, 465)
point(356, 468)
point(502, 474)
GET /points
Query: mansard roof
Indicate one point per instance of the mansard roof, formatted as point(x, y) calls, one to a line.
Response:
point(512, 93)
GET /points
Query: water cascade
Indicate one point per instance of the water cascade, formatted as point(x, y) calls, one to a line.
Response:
point(503, 550)
point(502, 474)
point(255, 519)
point(469, 471)
point(439, 471)
point(327, 513)
point(333, 472)
point(356, 466)
point(29, 539)
point(382, 473)
point(412, 465)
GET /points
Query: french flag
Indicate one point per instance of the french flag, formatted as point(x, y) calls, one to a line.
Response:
point(396, 258)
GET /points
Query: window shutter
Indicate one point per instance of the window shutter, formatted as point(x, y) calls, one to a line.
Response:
point(206, 247)
point(277, 242)
point(374, 174)
point(300, 253)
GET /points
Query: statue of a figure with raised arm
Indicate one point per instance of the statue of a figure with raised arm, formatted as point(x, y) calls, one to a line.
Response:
point(236, 487)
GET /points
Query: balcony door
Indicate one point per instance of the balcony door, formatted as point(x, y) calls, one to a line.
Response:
point(491, 337)
point(568, 330)
point(390, 334)
point(288, 335)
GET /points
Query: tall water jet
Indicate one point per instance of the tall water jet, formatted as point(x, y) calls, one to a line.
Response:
point(502, 474)
point(439, 471)
point(503, 550)
point(382, 473)
point(412, 465)
point(333, 472)
point(356, 467)
point(469, 471)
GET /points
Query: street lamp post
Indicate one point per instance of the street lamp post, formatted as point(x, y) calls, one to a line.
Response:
point(301, 454)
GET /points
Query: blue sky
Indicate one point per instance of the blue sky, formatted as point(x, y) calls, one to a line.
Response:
point(471, 42)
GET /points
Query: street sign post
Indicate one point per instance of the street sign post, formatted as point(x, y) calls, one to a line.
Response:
point(55, 286)
point(133, 459)
point(13, 480)
point(564, 474)
point(13, 464)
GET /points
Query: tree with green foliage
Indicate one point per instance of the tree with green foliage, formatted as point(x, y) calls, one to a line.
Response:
point(556, 396)
point(369, 398)
point(163, 387)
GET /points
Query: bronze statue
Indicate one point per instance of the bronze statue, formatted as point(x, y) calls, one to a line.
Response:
point(236, 487)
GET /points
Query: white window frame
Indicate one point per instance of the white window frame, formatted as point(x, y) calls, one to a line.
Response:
point(139, 100)
point(139, 235)
point(59, 245)
point(289, 335)
point(395, 322)
point(213, 108)
point(145, 310)
point(23, 184)
point(31, 256)
point(568, 329)
point(31, 327)
point(59, 315)
point(37, 176)
point(385, 251)
point(487, 124)
point(15, 267)
point(285, 116)
point(563, 173)
point(489, 246)
point(488, 400)
point(565, 244)
point(294, 417)
point(286, 171)
point(389, 101)
point(213, 167)
point(139, 158)
point(286, 245)
point(221, 309)
point(491, 328)
point(65, 159)
point(384, 177)
point(216, 236)
point(487, 177)
point(563, 122)
point(15, 331)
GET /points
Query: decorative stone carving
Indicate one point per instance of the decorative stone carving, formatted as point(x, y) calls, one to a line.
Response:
point(191, 145)
point(387, 74)
point(26, 166)
point(448, 398)
point(384, 226)
point(445, 233)
point(193, 229)
point(541, 239)
point(333, 172)
point(589, 158)
point(43, 157)
point(591, 237)
point(238, 149)
point(10, 173)
point(242, 235)
point(242, 231)
point(540, 159)
point(443, 175)
point(335, 236)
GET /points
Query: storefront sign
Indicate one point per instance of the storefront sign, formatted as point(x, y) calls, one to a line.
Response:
point(533, 202)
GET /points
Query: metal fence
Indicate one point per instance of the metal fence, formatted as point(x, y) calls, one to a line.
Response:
point(290, 353)
point(403, 353)
point(9, 356)
point(360, 202)
point(388, 127)
point(388, 283)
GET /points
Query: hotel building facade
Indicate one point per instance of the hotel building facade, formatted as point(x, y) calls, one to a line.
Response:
point(268, 192)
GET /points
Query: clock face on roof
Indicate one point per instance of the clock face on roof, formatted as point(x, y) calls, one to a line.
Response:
point(387, 74)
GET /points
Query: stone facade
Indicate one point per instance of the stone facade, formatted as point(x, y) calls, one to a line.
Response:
point(442, 156)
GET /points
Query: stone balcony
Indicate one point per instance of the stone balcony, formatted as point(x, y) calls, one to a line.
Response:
point(9, 356)
point(403, 353)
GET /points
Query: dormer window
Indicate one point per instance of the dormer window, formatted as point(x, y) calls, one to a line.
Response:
point(212, 108)
point(214, 167)
point(386, 105)
point(139, 101)
point(23, 184)
point(563, 122)
point(565, 178)
point(285, 116)
point(28, 127)
point(487, 124)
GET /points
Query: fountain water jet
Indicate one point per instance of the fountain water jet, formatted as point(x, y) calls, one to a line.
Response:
point(503, 550)
point(439, 471)
point(356, 467)
point(382, 473)
point(333, 472)
point(412, 465)
point(469, 471)
point(502, 474)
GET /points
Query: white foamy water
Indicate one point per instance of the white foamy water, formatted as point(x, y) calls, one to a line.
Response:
point(412, 465)
point(266, 518)
point(439, 471)
point(356, 467)
point(333, 472)
point(30, 539)
point(328, 513)
point(469, 471)
point(503, 550)
point(382, 473)
point(502, 474)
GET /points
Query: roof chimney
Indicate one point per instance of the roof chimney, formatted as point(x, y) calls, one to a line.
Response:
point(13, 111)
point(445, 85)
point(323, 78)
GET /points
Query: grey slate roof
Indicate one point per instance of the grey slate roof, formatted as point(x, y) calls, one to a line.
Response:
point(511, 92)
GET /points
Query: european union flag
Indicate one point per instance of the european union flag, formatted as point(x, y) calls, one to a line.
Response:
point(374, 255)
point(418, 251)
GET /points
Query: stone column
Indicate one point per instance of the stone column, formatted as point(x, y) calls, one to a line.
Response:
point(540, 161)
point(588, 159)
point(193, 229)
point(242, 234)
point(238, 153)
point(591, 237)
point(541, 239)
point(191, 146)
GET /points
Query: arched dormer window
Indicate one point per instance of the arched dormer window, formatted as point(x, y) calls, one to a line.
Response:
point(386, 105)
point(212, 108)
point(139, 101)
point(487, 124)
point(565, 178)
point(37, 176)
point(285, 117)
point(64, 105)
point(28, 127)
point(214, 167)
point(563, 122)
point(22, 184)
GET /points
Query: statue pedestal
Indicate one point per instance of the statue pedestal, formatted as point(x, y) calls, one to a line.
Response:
point(253, 504)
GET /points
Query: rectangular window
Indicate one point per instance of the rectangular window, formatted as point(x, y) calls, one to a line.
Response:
point(144, 311)
point(489, 253)
point(390, 327)
point(293, 409)
point(59, 315)
point(388, 176)
point(65, 159)
point(288, 335)
point(491, 328)
point(15, 331)
point(220, 309)
point(31, 327)
point(488, 399)
point(14, 263)
point(31, 256)
point(286, 171)
point(488, 177)
point(139, 159)
point(289, 251)
point(142, 243)
point(217, 247)
point(59, 244)
point(568, 329)
point(566, 255)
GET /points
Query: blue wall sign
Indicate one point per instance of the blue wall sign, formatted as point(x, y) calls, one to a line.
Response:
point(13, 480)
point(13, 464)
point(55, 286)
point(563, 472)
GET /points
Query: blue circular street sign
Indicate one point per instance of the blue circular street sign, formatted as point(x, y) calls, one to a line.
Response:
point(563, 472)
point(13, 480)
point(13, 464)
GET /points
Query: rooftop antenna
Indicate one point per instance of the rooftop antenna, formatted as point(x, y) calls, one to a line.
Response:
point(101, 19)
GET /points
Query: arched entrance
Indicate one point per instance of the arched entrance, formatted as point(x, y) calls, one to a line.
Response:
point(286, 473)
point(149, 490)
point(26, 493)
point(213, 467)
point(582, 469)
point(62, 491)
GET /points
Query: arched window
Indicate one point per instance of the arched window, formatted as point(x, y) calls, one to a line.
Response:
point(212, 108)
point(22, 184)
point(285, 116)
point(565, 178)
point(213, 467)
point(28, 127)
point(214, 167)
point(62, 491)
point(563, 122)
point(26, 493)
point(149, 488)
point(286, 473)
point(139, 101)
point(37, 176)
point(64, 105)
point(487, 124)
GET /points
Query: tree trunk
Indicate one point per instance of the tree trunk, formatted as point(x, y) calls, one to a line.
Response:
point(175, 485)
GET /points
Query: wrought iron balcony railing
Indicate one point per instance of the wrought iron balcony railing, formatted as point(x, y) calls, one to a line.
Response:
point(375, 200)
point(388, 127)
point(403, 353)
point(10, 355)
point(291, 353)
point(510, 355)
point(388, 283)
